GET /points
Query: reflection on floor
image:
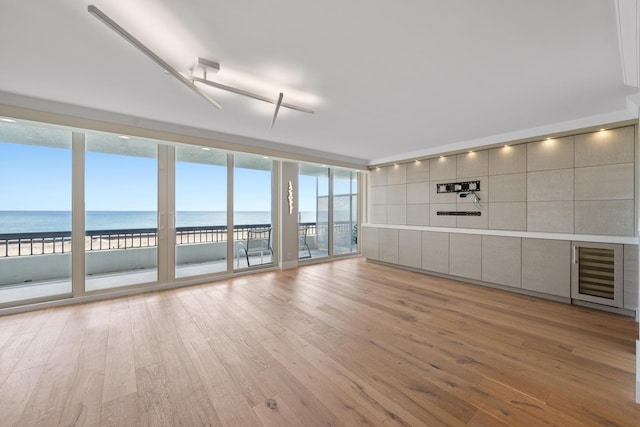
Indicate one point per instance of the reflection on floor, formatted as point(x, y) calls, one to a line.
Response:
point(35, 290)
point(61, 288)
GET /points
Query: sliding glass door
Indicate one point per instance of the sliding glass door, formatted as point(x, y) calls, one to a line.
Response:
point(252, 219)
point(35, 212)
point(125, 189)
point(345, 211)
point(313, 211)
point(201, 211)
point(121, 200)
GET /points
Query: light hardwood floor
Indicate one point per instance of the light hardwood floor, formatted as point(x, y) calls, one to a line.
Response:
point(343, 343)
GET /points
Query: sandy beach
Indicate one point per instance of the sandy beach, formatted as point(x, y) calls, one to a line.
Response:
point(61, 245)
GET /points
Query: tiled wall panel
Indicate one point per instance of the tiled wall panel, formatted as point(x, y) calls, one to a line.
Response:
point(541, 186)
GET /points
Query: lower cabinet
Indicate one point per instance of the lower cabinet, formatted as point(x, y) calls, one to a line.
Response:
point(410, 248)
point(435, 251)
point(501, 258)
point(630, 297)
point(388, 245)
point(546, 266)
point(593, 272)
point(465, 255)
point(370, 243)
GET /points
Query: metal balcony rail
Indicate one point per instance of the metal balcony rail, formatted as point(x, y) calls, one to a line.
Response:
point(54, 242)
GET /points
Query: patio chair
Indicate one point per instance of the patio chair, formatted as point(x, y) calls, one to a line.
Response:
point(303, 246)
point(258, 243)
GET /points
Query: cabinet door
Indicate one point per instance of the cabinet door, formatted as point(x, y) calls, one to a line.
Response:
point(388, 245)
point(435, 251)
point(465, 255)
point(631, 277)
point(596, 273)
point(546, 266)
point(410, 248)
point(370, 242)
point(501, 260)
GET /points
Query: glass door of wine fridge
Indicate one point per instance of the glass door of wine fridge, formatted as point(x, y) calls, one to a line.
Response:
point(596, 273)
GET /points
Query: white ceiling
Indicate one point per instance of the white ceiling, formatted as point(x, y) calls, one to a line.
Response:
point(387, 79)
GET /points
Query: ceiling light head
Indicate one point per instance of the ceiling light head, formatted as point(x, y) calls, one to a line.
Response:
point(206, 148)
point(209, 65)
point(7, 120)
point(602, 130)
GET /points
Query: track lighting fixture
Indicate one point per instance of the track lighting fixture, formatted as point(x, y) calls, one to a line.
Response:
point(128, 37)
point(190, 80)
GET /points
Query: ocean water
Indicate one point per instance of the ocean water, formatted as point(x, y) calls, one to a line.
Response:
point(39, 221)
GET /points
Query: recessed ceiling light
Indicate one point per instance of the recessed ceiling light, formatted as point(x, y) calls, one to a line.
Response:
point(265, 157)
point(124, 137)
point(548, 139)
point(7, 120)
point(470, 151)
point(506, 145)
point(206, 149)
point(602, 130)
point(324, 166)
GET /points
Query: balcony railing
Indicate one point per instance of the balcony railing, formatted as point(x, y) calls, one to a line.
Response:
point(26, 244)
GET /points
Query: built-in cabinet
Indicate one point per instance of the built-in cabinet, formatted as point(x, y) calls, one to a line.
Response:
point(388, 245)
point(576, 184)
point(542, 266)
point(534, 199)
point(465, 255)
point(435, 251)
point(546, 266)
point(501, 260)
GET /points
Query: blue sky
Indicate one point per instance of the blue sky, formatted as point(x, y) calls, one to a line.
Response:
point(39, 178)
point(34, 178)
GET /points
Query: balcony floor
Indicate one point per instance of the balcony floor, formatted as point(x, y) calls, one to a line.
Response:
point(61, 288)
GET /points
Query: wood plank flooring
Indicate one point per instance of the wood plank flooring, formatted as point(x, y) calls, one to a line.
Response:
point(344, 343)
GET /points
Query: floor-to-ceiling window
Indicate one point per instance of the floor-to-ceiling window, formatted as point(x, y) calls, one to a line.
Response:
point(313, 211)
point(252, 205)
point(345, 211)
point(125, 190)
point(201, 211)
point(35, 212)
point(121, 202)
